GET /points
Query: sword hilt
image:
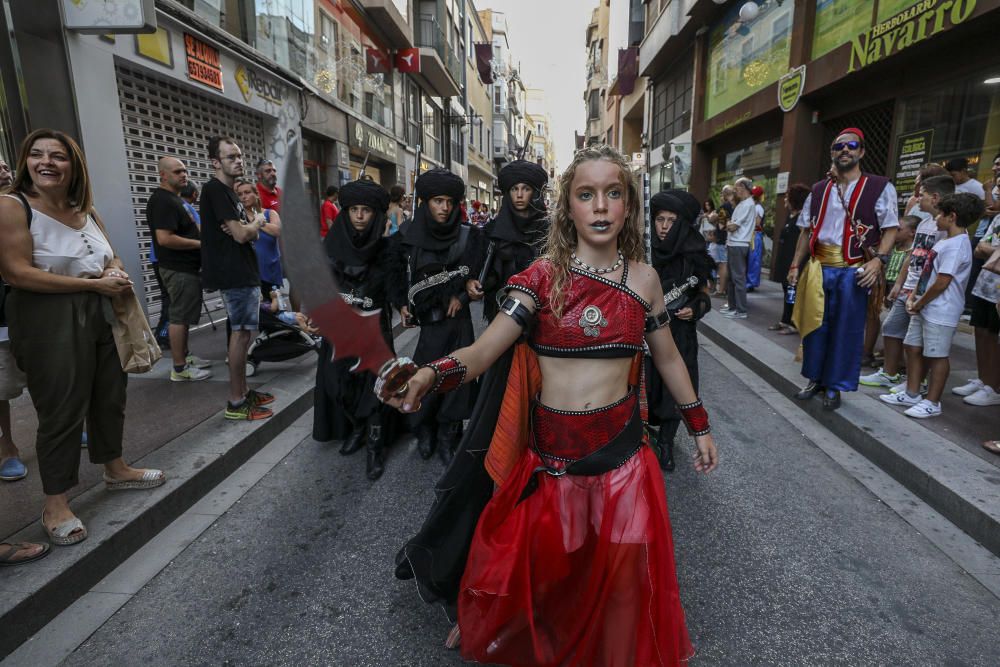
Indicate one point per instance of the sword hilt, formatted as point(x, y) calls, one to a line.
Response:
point(394, 378)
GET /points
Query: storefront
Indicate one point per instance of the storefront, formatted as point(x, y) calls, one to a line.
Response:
point(172, 91)
point(776, 90)
point(373, 151)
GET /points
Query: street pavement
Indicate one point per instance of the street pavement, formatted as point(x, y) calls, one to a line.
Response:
point(783, 558)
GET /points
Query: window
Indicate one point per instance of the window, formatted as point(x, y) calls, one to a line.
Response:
point(594, 105)
point(672, 100)
point(327, 33)
point(540, 129)
point(411, 112)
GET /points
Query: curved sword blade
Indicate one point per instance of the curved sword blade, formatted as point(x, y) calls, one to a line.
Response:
point(351, 333)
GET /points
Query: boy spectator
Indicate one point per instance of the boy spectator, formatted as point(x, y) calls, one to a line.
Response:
point(328, 211)
point(177, 244)
point(229, 264)
point(936, 305)
point(897, 322)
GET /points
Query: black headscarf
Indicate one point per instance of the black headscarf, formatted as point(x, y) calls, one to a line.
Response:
point(507, 225)
point(682, 252)
point(343, 243)
point(423, 231)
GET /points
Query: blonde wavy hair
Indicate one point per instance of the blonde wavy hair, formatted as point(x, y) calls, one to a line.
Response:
point(562, 238)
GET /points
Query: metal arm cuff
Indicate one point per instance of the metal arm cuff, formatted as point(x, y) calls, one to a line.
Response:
point(654, 322)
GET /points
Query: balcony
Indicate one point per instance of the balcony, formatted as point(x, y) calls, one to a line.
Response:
point(387, 16)
point(439, 65)
point(659, 48)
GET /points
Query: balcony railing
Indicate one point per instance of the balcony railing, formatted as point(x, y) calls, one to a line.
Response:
point(430, 35)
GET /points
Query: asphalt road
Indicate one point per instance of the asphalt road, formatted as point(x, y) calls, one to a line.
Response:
point(783, 558)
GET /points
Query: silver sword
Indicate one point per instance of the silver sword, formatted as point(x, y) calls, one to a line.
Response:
point(436, 279)
point(352, 300)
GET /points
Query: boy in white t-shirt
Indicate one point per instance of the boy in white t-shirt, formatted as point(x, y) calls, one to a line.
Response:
point(936, 305)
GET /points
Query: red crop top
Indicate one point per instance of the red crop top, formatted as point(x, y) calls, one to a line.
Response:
point(601, 318)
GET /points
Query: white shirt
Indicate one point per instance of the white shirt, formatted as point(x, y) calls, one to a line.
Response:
point(832, 232)
point(924, 238)
point(78, 253)
point(744, 215)
point(952, 257)
point(973, 187)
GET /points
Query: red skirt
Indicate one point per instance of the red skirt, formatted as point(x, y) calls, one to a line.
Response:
point(582, 571)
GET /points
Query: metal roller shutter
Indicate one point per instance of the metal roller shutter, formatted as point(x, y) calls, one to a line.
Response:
point(161, 118)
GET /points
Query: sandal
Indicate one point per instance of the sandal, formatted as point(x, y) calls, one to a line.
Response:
point(67, 533)
point(992, 446)
point(150, 479)
point(777, 326)
point(788, 330)
point(8, 549)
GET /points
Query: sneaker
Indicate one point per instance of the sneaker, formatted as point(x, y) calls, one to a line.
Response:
point(725, 310)
point(189, 374)
point(879, 379)
point(259, 397)
point(735, 315)
point(969, 388)
point(985, 396)
point(245, 411)
point(197, 362)
point(902, 398)
point(924, 409)
point(901, 387)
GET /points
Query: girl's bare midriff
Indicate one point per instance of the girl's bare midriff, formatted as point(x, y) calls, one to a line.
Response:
point(583, 384)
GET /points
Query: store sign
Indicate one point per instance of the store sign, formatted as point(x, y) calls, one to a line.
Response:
point(790, 88)
point(251, 83)
point(203, 62)
point(109, 16)
point(924, 19)
point(781, 183)
point(913, 150)
point(367, 139)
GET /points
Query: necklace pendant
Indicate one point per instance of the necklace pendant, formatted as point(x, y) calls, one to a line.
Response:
point(591, 321)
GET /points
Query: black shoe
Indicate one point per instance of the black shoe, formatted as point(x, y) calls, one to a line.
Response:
point(831, 399)
point(809, 391)
point(354, 441)
point(425, 441)
point(376, 460)
point(666, 448)
point(449, 435)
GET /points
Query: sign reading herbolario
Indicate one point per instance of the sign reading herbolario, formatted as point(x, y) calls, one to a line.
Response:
point(203, 62)
point(913, 150)
point(790, 88)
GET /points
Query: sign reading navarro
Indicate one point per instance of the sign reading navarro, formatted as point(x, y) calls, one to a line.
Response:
point(924, 19)
point(203, 62)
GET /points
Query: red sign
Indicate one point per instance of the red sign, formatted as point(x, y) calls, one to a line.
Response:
point(408, 60)
point(377, 61)
point(203, 62)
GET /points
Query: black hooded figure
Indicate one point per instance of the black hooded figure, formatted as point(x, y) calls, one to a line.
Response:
point(681, 260)
point(513, 239)
point(345, 404)
point(428, 288)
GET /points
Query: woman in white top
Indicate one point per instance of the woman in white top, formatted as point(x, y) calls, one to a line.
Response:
point(63, 273)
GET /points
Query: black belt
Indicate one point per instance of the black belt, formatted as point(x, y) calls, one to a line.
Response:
point(613, 455)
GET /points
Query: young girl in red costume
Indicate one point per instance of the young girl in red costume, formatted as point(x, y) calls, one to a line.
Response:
point(572, 559)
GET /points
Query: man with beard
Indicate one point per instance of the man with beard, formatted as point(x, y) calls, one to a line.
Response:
point(852, 220)
point(267, 185)
point(346, 405)
point(428, 289)
point(680, 257)
point(512, 240)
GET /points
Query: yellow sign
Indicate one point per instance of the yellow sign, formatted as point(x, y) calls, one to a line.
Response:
point(790, 88)
point(924, 19)
point(156, 47)
point(249, 82)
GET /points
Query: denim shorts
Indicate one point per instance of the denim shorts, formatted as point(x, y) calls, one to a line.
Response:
point(897, 321)
point(242, 307)
point(717, 252)
point(934, 339)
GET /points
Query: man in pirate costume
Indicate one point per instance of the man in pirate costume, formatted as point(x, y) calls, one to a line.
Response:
point(512, 240)
point(345, 406)
point(852, 219)
point(428, 289)
point(680, 257)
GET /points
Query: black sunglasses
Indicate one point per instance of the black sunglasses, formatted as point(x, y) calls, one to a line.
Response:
point(841, 145)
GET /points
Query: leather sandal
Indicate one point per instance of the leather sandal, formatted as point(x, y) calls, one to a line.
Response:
point(8, 549)
point(992, 446)
point(67, 533)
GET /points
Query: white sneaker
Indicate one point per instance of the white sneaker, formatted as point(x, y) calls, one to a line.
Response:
point(924, 409)
point(969, 388)
point(197, 362)
point(189, 374)
point(880, 379)
point(725, 310)
point(735, 315)
point(985, 396)
point(902, 398)
point(901, 387)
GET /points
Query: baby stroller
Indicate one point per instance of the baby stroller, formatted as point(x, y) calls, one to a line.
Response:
point(277, 341)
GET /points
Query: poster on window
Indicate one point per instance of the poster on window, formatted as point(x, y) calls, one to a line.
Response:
point(913, 150)
point(109, 16)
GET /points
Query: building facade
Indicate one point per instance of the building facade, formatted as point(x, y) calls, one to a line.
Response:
point(479, 118)
point(541, 149)
point(595, 95)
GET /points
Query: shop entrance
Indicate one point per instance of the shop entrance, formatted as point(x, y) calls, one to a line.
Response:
point(876, 123)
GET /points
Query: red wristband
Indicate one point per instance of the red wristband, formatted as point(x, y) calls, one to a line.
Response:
point(695, 417)
point(449, 373)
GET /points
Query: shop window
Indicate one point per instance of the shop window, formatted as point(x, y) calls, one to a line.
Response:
point(764, 48)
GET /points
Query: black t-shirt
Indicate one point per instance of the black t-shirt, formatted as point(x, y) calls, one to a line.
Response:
point(165, 210)
point(225, 264)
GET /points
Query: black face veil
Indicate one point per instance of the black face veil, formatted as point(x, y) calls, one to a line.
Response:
point(344, 243)
point(424, 231)
point(508, 225)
